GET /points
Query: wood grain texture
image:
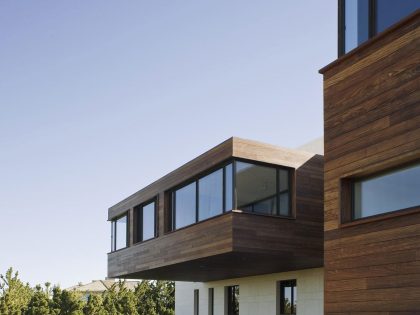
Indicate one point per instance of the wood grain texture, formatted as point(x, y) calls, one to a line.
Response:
point(235, 243)
point(372, 124)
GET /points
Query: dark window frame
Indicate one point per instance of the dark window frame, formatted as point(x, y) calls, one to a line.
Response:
point(280, 296)
point(196, 302)
point(114, 231)
point(229, 299)
point(138, 220)
point(171, 193)
point(211, 301)
point(289, 191)
point(376, 175)
point(347, 196)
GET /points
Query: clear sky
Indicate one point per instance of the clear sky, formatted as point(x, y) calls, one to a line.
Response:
point(100, 98)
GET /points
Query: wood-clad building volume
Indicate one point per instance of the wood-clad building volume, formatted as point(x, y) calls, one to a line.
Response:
point(372, 126)
point(234, 243)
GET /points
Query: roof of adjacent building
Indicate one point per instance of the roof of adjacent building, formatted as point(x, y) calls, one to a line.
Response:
point(101, 286)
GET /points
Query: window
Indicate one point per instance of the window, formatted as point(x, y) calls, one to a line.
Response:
point(262, 189)
point(287, 297)
point(196, 302)
point(246, 186)
point(356, 23)
point(389, 12)
point(211, 301)
point(360, 20)
point(391, 191)
point(185, 204)
point(206, 197)
point(119, 231)
point(145, 221)
point(232, 300)
point(210, 195)
point(228, 183)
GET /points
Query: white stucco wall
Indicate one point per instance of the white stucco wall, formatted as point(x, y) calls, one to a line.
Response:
point(257, 295)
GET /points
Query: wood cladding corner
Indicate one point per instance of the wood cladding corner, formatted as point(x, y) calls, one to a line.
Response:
point(409, 38)
point(262, 152)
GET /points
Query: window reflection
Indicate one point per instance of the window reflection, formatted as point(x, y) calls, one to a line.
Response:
point(242, 185)
point(388, 192)
point(146, 221)
point(356, 23)
point(210, 195)
point(119, 233)
point(288, 297)
point(262, 189)
point(185, 205)
point(256, 188)
point(390, 12)
point(232, 300)
point(228, 187)
point(363, 19)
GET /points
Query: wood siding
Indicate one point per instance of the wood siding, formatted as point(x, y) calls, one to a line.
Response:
point(372, 124)
point(233, 244)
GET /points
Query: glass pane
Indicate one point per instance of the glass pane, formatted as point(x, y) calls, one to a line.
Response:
point(356, 23)
point(196, 302)
point(233, 300)
point(393, 191)
point(211, 301)
point(121, 233)
point(112, 236)
point(148, 221)
point(256, 187)
point(284, 180)
point(284, 204)
point(228, 187)
point(288, 303)
point(210, 195)
point(266, 206)
point(185, 205)
point(391, 11)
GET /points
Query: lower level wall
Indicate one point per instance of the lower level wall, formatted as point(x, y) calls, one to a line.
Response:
point(257, 295)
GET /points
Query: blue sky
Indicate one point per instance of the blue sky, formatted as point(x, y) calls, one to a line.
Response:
point(100, 98)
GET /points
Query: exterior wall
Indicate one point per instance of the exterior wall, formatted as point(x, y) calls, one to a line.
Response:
point(372, 124)
point(257, 295)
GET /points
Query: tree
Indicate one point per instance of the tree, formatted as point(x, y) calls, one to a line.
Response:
point(146, 303)
point(164, 294)
point(66, 302)
point(155, 298)
point(118, 300)
point(148, 298)
point(14, 294)
point(39, 303)
point(94, 306)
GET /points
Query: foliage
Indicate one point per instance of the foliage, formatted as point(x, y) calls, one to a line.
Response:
point(39, 303)
point(14, 294)
point(119, 300)
point(148, 298)
point(94, 306)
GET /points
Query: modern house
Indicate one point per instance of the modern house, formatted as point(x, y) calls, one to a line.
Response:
point(251, 228)
point(243, 221)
